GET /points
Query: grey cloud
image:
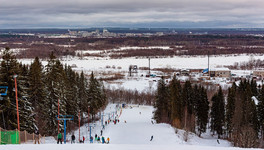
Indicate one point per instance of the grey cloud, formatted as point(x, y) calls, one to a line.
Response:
point(33, 13)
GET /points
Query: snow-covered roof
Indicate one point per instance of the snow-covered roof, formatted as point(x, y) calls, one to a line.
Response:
point(219, 69)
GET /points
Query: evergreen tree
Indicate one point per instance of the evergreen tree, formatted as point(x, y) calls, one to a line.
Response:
point(161, 103)
point(72, 93)
point(218, 113)
point(261, 110)
point(176, 103)
point(188, 105)
point(83, 93)
point(96, 96)
point(37, 92)
point(54, 80)
point(26, 111)
point(230, 107)
point(202, 108)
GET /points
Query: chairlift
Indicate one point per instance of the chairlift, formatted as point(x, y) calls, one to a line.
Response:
point(3, 90)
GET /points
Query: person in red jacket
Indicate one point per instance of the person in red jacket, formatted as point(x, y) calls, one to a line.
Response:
point(83, 139)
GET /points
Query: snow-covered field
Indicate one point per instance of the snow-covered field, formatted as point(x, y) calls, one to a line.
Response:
point(190, 62)
point(133, 135)
point(111, 66)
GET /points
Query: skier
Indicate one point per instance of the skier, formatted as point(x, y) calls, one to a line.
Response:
point(59, 138)
point(108, 140)
point(72, 138)
point(103, 140)
point(83, 139)
point(91, 139)
point(95, 139)
point(98, 139)
point(36, 137)
point(101, 132)
point(151, 138)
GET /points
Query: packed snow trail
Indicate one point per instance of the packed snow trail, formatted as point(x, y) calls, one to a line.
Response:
point(135, 134)
point(138, 129)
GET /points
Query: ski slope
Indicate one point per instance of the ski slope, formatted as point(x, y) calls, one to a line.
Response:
point(133, 135)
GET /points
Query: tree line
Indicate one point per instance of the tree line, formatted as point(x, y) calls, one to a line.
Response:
point(41, 89)
point(236, 116)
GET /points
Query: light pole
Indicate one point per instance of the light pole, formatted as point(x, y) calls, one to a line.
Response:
point(18, 125)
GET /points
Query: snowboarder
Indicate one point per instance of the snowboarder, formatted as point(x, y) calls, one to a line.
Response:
point(151, 138)
point(72, 138)
point(36, 137)
point(108, 140)
point(59, 138)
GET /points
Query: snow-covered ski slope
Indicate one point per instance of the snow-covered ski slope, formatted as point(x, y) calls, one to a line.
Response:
point(134, 135)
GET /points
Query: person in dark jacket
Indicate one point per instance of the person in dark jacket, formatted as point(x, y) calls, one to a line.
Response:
point(151, 138)
point(37, 137)
point(72, 138)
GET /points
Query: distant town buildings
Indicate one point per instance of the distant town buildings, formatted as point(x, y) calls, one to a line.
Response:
point(220, 72)
point(258, 73)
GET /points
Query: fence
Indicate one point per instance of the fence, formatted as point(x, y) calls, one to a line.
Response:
point(16, 137)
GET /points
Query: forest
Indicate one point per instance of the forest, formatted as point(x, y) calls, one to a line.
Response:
point(43, 91)
point(236, 116)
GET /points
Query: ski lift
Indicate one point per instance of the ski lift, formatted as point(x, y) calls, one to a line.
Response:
point(3, 91)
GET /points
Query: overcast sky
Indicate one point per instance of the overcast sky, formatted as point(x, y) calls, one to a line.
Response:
point(131, 13)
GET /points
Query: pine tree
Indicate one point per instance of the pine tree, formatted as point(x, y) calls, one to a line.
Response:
point(54, 79)
point(202, 109)
point(176, 103)
point(188, 103)
point(230, 107)
point(96, 96)
point(261, 110)
point(26, 112)
point(83, 93)
point(161, 103)
point(71, 93)
point(218, 113)
point(9, 68)
point(37, 92)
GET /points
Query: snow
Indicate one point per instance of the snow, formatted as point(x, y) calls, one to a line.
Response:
point(176, 62)
point(133, 135)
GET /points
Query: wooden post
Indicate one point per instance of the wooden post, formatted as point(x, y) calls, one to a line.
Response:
point(79, 127)
point(25, 136)
point(58, 116)
point(16, 137)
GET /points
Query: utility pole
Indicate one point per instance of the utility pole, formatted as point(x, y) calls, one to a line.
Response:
point(208, 64)
point(18, 125)
point(149, 66)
